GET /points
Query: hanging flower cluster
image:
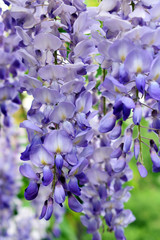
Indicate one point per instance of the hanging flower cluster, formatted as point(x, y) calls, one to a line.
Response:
point(9, 184)
point(89, 70)
point(13, 223)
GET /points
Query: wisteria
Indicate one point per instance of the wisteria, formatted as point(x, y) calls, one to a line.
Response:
point(93, 75)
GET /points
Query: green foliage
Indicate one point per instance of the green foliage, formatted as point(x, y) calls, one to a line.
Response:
point(92, 3)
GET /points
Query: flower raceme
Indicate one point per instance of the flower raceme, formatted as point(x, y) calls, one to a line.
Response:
point(88, 71)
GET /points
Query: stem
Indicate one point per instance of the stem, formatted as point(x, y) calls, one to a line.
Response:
point(67, 37)
point(146, 138)
point(140, 141)
point(129, 118)
point(147, 106)
point(54, 175)
point(104, 99)
point(137, 94)
point(55, 56)
point(155, 129)
point(145, 144)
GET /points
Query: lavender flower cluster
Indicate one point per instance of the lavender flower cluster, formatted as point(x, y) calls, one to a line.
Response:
point(14, 217)
point(8, 182)
point(89, 70)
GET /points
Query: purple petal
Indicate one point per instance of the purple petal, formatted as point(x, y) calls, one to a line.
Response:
point(142, 170)
point(29, 82)
point(29, 59)
point(117, 108)
point(29, 125)
point(59, 162)
point(84, 102)
point(102, 190)
point(7, 93)
point(31, 191)
point(116, 132)
point(23, 35)
point(92, 225)
point(111, 84)
point(58, 141)
point(52, 72)
point(73, 186)
point(107, 123)
point(71, 158)
point(136, 148)
point(118, 165)
point(25, 155)
point(155, 71)
point(137, 114)
point(155, 169)
point(128, 102)
point(47, 176)
point(19, 13)
point(45, 41)
point(68, 127)
point(41, 157)
point(6, 121)
point(127, 140)
point(27, 171)
point(120, 49)
point(63, 111)
point(72, 86)
point(59, 193)
point(126, 112)
point(138, 61)
point(140, 83)
point(153, 145)
point(83, 137)
point(74, 204)
point(119, 234)
point(116, 153)
point(49, 210)
point(82, 178)
point(123, 76)
point(108, 218)
point(47, 96)
point(44, 209)
point(82, 121)
point(84, 48)
point(96, 236)
point(155, 158)
point(83, 162)
point(154, 90)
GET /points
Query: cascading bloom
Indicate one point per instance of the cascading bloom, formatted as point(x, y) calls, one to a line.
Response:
point(57, 123)
point(76, 148)
point(9, 184)
point(132, 80)
point(10, 68)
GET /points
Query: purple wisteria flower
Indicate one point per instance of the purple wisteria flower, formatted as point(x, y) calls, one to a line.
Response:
point(93, 75)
